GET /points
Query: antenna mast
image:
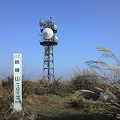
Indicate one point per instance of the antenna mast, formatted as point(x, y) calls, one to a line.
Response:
point(49, 40)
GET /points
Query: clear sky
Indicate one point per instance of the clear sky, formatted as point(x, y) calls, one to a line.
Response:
point(82, 26)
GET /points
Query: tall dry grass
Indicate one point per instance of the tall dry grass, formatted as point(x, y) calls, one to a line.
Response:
point(114, 76)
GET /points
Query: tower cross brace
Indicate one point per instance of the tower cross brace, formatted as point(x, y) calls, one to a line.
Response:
point(48, 63)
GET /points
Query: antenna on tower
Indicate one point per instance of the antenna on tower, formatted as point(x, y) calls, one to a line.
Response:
point(49, 40)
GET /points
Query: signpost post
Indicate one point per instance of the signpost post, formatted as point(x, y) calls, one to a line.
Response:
point(17, 81)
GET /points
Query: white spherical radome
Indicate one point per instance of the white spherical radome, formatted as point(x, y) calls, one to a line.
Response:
point(47, 33)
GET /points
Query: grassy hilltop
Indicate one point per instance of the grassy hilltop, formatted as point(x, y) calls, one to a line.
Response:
point(87, 96)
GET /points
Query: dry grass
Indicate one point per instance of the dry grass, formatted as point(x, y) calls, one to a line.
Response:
point(56, 100)
point(52, 99)
point(114, 76)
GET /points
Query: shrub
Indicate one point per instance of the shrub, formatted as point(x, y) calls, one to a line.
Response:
point(28, 88)
point(86, 79)
point(7, 83)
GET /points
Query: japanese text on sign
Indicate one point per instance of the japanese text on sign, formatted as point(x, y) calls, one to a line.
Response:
point(17, 81)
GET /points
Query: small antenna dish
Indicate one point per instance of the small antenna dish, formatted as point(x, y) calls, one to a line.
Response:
point(55, 38)
point(52, 17)
point(54, 26)
point(47, 33)
point(42, 22)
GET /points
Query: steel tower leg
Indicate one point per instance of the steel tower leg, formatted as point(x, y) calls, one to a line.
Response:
point(48, 63)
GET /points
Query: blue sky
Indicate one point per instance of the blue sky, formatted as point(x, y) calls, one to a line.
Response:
point(82, 26)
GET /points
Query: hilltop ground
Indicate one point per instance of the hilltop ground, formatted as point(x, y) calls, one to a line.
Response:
point(60, 100)
point(87, 96)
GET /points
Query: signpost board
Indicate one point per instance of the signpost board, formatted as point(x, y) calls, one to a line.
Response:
point(17, 59)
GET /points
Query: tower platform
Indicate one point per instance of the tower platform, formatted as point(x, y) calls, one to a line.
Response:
point(48, 43)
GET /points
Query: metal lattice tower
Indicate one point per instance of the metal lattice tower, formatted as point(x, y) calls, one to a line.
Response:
point(49, 40)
